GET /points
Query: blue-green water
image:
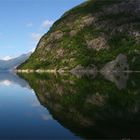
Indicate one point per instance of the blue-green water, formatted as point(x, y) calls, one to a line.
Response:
point(49, 106)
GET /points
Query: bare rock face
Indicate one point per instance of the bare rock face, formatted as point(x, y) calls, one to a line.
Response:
point(125, 6)
point(60, 53)
point(87, 20)
point(116, 71)
point(73, 32)
point(97, 44)
point(56, 35)
point(118, 65)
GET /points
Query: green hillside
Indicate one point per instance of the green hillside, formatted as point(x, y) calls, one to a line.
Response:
point(91, 34)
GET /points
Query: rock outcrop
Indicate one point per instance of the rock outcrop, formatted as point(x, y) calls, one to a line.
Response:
point(120, 64)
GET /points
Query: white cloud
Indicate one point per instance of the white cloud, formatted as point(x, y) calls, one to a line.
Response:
point(32, 50)
point(46, 117)
point(35, 103)
point(46, 23)
point(30, 24)
point(36, 36)
point(6, 82)
point(6, 58)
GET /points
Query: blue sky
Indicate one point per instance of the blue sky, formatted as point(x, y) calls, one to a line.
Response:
point(23, 22)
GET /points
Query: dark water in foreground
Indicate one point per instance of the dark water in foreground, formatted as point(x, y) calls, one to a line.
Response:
point(51, 106)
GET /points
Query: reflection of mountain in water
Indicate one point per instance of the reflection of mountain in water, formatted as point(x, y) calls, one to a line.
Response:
point(91, 108)
point(7, 65)
point(7, 78)
point(119, 78)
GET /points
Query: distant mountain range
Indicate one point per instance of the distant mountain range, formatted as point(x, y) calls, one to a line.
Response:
point(13, 63)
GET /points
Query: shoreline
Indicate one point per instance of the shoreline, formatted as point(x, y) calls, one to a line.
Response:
point(36, 71)
point(69, 71)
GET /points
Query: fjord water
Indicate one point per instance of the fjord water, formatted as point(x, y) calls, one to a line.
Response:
point(46, 106)
point(21, 114)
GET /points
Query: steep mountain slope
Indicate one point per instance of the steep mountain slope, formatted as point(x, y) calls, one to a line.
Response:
point(13, 63)
point(96, 33)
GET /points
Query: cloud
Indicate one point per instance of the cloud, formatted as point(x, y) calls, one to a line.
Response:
point(35, 104)
point(36, 36)
point(46, 117)
point(46, 23)
point(30, 24)
point(6, 82)
point(32, 50)
point(7, 58)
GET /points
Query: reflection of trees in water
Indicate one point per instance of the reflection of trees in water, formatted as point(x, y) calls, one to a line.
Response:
point(91, 108)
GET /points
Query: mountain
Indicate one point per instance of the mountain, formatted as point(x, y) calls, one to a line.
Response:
point(13, 63)
point(98, 34)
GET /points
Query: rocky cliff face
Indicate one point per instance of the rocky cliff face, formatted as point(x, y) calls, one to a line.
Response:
point(94, 33)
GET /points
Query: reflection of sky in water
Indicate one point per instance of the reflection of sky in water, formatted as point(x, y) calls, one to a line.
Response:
point(22, 116)
point(6, 82)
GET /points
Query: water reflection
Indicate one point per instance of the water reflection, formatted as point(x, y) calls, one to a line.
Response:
point(118, 78)
point(9, 78)
point(22, 116)
point(91, 107)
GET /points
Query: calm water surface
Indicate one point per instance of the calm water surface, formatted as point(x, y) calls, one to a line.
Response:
point(51, 106)
point(22, 115)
